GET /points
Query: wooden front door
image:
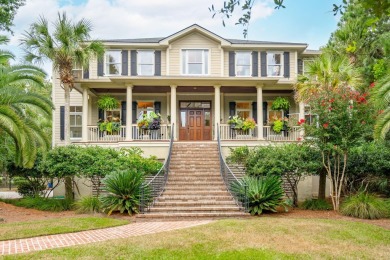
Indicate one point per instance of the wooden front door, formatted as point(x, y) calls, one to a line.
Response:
point(195, 125)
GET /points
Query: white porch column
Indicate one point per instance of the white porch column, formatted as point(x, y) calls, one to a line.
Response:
point(173, 109)
point(129, 112)
point(217, 109)
point(260, 116)
point(301, 110)
point(168, 105)
point(222, 108)
point(84, 120)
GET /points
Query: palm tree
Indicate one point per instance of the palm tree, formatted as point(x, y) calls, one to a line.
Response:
point(69, 45)
point(16, 105)
point(381, 97)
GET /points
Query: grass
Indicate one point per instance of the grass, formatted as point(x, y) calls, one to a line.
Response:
point(256, 238)
point(55, 226)
point(316, 204)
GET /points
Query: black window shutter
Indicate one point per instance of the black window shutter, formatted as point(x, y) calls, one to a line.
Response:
point(286, 58)
point(86, 73)
point(62, 123)
point(263, 62)
point(255, 64)
point(300, 66)
point(123, 116)
point(157, 63)
point(254, 111)
point(133, 68)
point(232, 108)
point(265, 116)
point(125, 62)
point(134, 111)
point(232, 64)
point(157, 107)
point(101, 114)
point(100, 67)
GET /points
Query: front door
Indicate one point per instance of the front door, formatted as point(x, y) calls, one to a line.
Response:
point(195, 124)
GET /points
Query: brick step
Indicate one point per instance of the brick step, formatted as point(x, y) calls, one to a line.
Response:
point(208, 215)
point(183, 160)
point(204, 186)
point(196, 182)
point(193, 167)
point(204, 209)
point(195, 192)
point(195, 173)
point(186, 198)
point(189, 179)
point(193, 203)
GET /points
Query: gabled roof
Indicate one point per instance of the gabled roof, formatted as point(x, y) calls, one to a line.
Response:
point(139, 40)
point(194, 28)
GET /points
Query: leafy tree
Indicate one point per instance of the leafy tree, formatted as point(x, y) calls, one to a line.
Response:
point(8, 10)
point(18, 107)
point(343, 116)
point(291, 161)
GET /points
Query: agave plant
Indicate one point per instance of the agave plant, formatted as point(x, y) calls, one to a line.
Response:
point(264, 193)
point(124, 192)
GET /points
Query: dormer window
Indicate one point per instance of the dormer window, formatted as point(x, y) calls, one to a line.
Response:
point(145, 59)
point(113, 64)
point(274, 64)
point(195, 62)
point(243, 63)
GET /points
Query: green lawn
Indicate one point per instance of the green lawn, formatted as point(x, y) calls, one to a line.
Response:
point(260, 238)
point(55, 226)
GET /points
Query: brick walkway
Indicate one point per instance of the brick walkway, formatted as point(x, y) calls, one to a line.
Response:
point(85, 237)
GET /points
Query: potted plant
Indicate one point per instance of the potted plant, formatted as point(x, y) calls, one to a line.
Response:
point(107, 102)
point(280, 103)
point(235, 122)
point(248, 124)
point(109, 127)
point(277, 126)
point(155, 121)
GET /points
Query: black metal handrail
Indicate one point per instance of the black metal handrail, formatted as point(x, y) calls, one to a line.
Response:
point(236, 187)
point(154, 187)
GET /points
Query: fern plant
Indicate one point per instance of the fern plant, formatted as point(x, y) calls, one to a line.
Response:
point(107, 102)
point(264, 193)
point(280, 103)
point(88, 204)
point(124, 192)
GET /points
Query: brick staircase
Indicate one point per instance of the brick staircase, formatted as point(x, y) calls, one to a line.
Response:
point(195, 188)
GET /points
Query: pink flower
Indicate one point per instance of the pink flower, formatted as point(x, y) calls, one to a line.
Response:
point(299, 139)
point(372, 85)
point(326, 125)
point(301, 121)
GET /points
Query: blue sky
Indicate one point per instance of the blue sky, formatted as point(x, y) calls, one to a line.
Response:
point(306, 21)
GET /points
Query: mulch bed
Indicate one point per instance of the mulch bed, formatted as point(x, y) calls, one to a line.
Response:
point(10, 213)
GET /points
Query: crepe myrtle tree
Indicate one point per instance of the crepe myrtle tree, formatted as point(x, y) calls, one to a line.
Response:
point(343, 116)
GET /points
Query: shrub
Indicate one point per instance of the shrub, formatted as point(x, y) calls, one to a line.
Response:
point(27, 189)
point(124, 187)
point(316, 204)
point(88, 204)
point(364, 205)
point(265, 193)
point(43, 204)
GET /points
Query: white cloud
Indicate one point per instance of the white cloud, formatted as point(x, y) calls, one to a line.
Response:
point(134, 18)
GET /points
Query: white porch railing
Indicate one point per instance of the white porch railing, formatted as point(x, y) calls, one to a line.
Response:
point(164, 133)
point(227, 133)
point(95, 135)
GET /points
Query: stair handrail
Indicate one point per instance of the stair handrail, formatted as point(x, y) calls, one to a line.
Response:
point(230, 179)
point(156, 185)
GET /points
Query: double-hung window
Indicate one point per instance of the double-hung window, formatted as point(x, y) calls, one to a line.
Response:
point(144, 107)
point(75, 121)
point(145, 60)
point(243, 63)
point(274, 64)
point(195, 62)
point(113, 62)
point(243, 109)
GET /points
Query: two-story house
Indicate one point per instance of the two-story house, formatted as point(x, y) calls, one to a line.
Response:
point(194, 78)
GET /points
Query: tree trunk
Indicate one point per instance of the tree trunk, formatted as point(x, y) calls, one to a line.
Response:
point(68, 180)
point(322, 185)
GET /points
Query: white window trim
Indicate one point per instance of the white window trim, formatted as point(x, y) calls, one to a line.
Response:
point(250, 107)
point(203, 67)
point(138, 63)
point(117, 109)
point(250, 65)
point(105, 63)
point(138, 110)
point(76, 114)
point(281, 64)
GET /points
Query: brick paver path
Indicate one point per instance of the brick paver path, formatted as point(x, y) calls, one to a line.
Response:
point(25, 245)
